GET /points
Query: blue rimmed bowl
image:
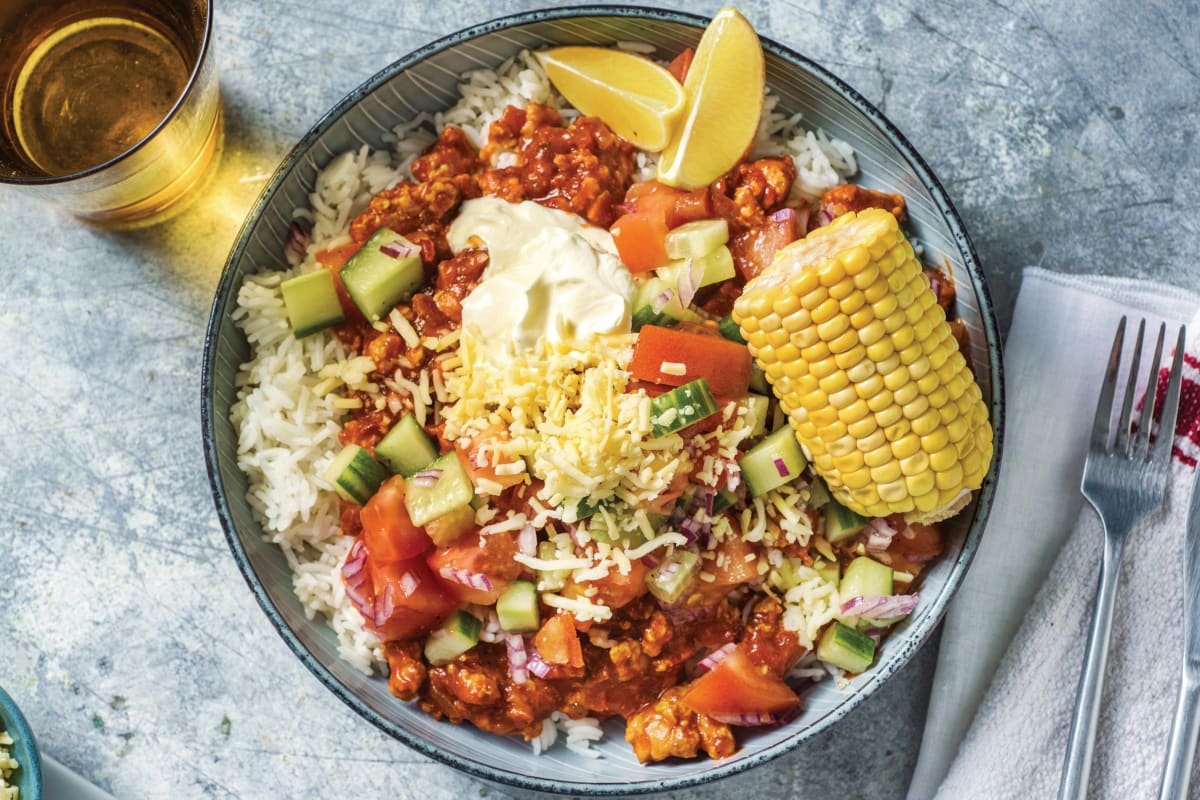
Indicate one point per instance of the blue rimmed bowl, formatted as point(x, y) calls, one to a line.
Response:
point(28, 777)
point(425, 81)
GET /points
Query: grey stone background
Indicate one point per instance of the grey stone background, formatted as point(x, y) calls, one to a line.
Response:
point(1065, 132)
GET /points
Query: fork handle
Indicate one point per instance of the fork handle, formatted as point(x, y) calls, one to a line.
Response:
point(1082, 741)
point(1178, 769)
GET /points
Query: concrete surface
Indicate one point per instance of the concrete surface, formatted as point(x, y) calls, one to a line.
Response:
point(1065, 133)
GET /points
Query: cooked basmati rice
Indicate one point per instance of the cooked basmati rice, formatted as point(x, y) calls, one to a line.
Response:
point(8, 766)
point(287, 412)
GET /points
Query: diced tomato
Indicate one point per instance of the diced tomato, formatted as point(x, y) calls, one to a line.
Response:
point(388, 533)
point(486, 440)
point(409, 599)
point(724, 364)
point(680, 65)
point(914, 545)
point(639, 238)
point(558, 643)
point(665, 502)
point(613, 590)
point(738, 686)
point(490, 555)
point(399, 599)
point(734, 563)
point(655, 209)
point(754, 250)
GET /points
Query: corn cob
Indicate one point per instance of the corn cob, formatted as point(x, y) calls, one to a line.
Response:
point(858, 351)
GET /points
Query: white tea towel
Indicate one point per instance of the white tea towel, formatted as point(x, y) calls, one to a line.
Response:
point(1021, 602)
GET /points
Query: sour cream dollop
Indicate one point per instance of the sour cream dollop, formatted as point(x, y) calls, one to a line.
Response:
point(550, 274)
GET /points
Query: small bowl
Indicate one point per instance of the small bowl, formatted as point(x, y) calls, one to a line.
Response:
point(425, 81)
point(28, 776)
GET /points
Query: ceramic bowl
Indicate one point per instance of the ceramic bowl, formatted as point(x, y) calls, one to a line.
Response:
point(28, 777)
point(425, 81)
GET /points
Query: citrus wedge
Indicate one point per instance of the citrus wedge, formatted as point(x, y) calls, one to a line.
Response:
point(724, 89)
point(635, 97)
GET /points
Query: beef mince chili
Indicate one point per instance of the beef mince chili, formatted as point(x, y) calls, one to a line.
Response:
point(640, 663)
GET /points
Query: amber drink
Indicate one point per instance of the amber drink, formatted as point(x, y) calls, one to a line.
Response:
point(109, 108)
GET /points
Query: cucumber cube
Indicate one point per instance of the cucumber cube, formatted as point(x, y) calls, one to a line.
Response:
point(312, 302)
point(384, 272)
point(845, 647)
point(517, 608)
point(682, 406)
point(406, 448)
point(450, 489)
point(455, 636)
point(673, 575)
point(696, 239)
point(841, 523)
point(550, 580)
point(758, 406)
point(649, 308)
point(774, 461)
point(355, 475)
point(865, 577)
point(731, 330)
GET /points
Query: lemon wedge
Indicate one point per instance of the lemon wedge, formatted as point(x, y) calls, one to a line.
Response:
point(635, 97)
point(724, 89)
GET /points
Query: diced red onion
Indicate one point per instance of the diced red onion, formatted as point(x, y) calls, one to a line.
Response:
point(661, 299)
point(650, 561)
point(709, 496)
point(781, 467)
point(409, 584)
point(716, 656)
point(518, 658)
point(679, 613)
point(397, 249)
point(823, 218)
point(426, 479)
point(689, 280)
point(879, 535)
point(577, 536)
point(537, 666)
point(784, 214)
point(935, 283)
point(747, 720)
point(527, 540)
point(880, 606)
point(475, 580)
point(733, 479)
point(297, 243)
point(357, 580)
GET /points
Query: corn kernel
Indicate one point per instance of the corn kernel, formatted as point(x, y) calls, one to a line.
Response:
point(916, 463)
point(886, 473)
point(852, 301)
point(906, 446)
point(854, 411)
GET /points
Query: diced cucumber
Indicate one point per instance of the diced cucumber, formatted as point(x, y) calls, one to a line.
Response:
point(706, 270)
point(695, 239)
point(377, 277)
point(673, 575)
point(682, 406)
point(648, 297)
point(758, 381)
point(406, 448)
point(550, 580)
point(774, 461)
point(841, 523)
point(449, 528)
point(355, 475)
point(517, 608)
point(452, 638)
point(312, 302)
point(758, 406)
point(574, 510)
point(731, 330)
point(818, 493)
point(828, 570)
point(778, 417)
point(450, 490)
point(845, 647)
point(865, 577)
point(605, 528)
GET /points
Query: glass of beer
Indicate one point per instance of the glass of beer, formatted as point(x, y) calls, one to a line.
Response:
point(108, 108)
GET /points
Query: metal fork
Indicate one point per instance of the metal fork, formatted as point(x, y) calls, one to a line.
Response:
point(1125, 481)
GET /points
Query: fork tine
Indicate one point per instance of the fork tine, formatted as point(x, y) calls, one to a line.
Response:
point(1166, 425)
point(1104, 404)
point(1122, 442)
point(1140, 447)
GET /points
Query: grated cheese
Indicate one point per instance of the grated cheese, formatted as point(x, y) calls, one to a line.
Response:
point(672, 368)
point(583, 609)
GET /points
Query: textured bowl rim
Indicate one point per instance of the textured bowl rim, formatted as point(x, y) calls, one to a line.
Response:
point(919, 630)
point(24, 748)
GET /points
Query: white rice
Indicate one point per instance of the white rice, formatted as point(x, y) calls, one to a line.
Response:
point(8, 765)
point(287, 412)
